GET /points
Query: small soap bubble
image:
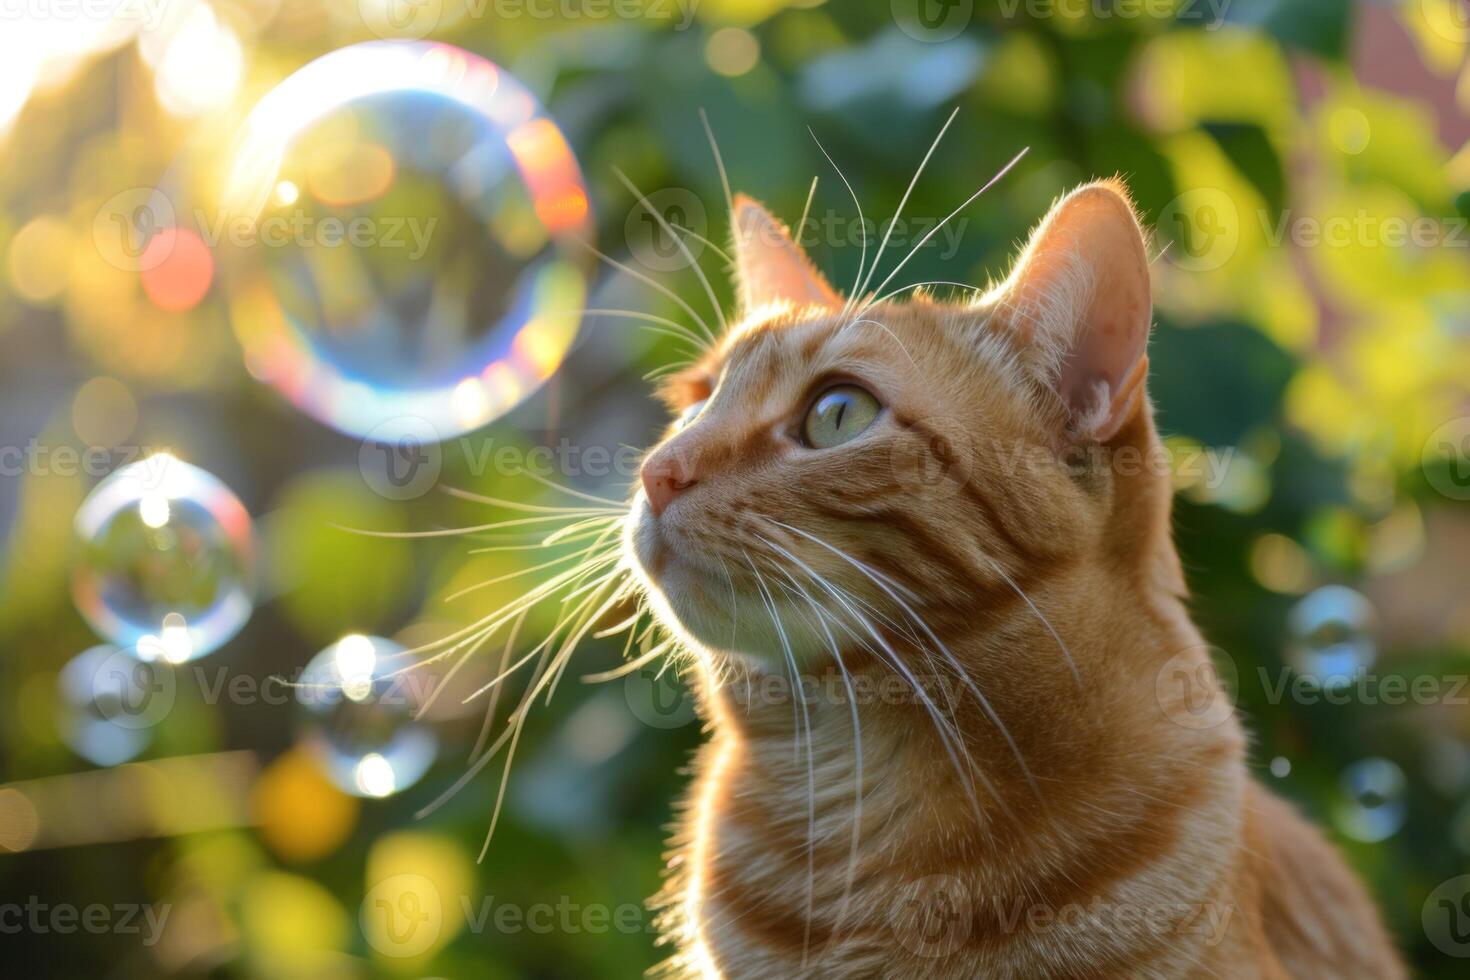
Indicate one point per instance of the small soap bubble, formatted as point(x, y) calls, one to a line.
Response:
point(358, 711)
point(1372, 807)
point(408, 239)
point(1331, 637)
point(165, 560)
point(110, 703)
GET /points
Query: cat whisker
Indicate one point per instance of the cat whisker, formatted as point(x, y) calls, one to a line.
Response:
point(798, 698)
point(862, 223)
point(938, 644)
point(806, 209)
point(663, 223)
point(719, 162)
point(886, 329)
point(935, 230)
point(857, 755)
point(1071, 663)
point(620, 506)
point(729, 260)
point(529, 570)
point(920, 285)
point(663, 371)
point(632, 666)
point(525, 508)
point(450, 532)
point(905, 200)
point(429, 701)
point(649, 281)
point(494, 701)
point(949, 736)
point(670, 328)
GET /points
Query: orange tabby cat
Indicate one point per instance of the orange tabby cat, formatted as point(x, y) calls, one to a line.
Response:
point(1010, 757)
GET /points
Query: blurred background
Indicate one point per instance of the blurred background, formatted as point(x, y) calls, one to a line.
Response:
point(261, 285)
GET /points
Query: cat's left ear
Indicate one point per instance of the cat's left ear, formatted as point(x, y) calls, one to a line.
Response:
point(1079, 295)
point(770, 267)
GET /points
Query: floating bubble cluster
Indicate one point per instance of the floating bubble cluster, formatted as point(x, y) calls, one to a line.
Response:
point(359, 717)
point(165, 560)
point(110, 702)
point(1332, 636)
point(400, 239)
point(1372, 807)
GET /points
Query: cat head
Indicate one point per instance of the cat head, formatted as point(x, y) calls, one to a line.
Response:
point(842, 474)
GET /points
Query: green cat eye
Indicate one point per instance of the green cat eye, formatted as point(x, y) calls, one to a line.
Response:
point(840, 414)
point(691, 413)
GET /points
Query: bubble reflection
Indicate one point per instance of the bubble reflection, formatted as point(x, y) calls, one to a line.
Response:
point(165, 560)
point(359, 717)
point(1332, 639)
point(409, 247)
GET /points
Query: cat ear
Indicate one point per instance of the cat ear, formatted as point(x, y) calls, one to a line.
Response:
point(769, 266)
point(1080, 295)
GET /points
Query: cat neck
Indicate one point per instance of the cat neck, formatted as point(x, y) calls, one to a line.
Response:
point(1048, 791)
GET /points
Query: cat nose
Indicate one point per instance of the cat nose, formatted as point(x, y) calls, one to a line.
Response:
point(665, 477)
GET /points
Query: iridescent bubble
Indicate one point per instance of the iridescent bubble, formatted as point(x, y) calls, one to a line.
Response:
point(1332, 636)
point(402, 225)
point(110, 702)
point(165, 560)
point(359, 717)
point(1372, 807)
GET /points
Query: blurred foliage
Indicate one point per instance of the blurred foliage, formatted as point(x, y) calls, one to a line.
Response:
point(1274, 147)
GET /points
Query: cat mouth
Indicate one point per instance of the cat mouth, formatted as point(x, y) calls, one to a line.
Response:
point(670, 564)
point(649, 541)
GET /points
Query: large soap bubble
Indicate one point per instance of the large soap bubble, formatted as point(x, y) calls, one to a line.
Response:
point(165, 560)
point(399, 239)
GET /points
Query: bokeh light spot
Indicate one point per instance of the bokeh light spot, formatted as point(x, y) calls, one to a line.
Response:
point(732, 51)
point(103, 412)
point(40, 259)
point(299, 813)
point(177, 269)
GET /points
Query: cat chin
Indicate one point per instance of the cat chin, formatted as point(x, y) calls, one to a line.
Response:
point(703, 605)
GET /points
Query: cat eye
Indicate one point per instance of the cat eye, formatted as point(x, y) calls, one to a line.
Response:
point(691, 413)
point(840, 414)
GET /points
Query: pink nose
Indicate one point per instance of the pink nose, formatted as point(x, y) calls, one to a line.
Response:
point(663, 480)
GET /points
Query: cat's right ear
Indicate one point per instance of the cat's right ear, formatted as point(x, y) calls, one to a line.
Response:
point(770, 267)
point(1079, 299)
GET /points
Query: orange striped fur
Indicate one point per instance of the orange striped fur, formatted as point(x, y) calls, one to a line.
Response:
point(982, 590)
